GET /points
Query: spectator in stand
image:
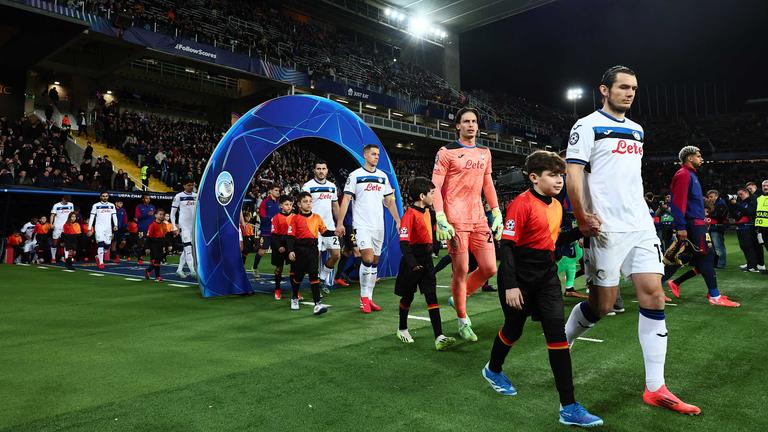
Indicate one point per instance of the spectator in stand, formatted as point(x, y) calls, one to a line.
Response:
point(82, 128)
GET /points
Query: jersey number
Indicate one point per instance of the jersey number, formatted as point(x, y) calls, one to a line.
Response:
point(490, 237)
point(658, 250)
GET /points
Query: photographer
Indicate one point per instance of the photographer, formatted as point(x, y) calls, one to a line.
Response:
point(742, 208)
point(718, 216)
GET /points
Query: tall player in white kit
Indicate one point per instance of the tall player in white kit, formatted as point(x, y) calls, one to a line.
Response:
point(185, 203)
point(59, 215)
point(368, 187)
point(605, 186)
point(104, 214)
point(325, 202)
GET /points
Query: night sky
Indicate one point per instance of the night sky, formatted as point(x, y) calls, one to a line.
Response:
point(540, 53)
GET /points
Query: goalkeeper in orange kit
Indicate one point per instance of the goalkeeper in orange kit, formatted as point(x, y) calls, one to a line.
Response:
point(462, 175)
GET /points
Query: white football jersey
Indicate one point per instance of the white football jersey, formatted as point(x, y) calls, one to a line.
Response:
point(62, 212)
point(104, 214)
point(368, 189)
point(611, 151)
point(185, 204)
point(28, 230)
point(323, 196)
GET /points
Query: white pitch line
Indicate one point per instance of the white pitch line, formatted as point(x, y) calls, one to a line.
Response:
point(96, 274)
point(41, 267)
point(22, 264)
point(443, 286)
point(668, 304)
point(178, 285)
point(312, 304)
point(590, 339)
point(68, 271)
point(418, 318)
point(133, 279)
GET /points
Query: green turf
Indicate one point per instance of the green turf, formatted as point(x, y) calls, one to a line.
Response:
point(88, 353)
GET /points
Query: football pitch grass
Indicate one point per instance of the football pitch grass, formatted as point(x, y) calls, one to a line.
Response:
point(86, 353)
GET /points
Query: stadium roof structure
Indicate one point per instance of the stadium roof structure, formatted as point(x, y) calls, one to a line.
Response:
point(465, 15)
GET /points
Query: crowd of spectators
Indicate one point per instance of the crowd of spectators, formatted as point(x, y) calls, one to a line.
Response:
point(33, 153)
point(321, 50)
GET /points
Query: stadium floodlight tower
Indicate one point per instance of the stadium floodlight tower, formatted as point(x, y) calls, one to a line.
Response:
point(574, 94)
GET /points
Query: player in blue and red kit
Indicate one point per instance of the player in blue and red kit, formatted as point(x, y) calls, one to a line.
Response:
point(689, 222)
point(269, 207)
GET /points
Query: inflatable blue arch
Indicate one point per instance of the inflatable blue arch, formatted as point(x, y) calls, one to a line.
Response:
point(329, 129)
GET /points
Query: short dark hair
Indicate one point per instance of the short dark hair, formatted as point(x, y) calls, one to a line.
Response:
point(103, 192)
point(744, 189)
point(609, 77)
point(302, 195)
point(542, 160)
point(369, 147)
point(145, 195)
point(284, 198)
point(420, 185)
point(159, 210)
point(321, 162)
point(272, 186)
point(750, 184)
point(66, 197)
point(463, 111)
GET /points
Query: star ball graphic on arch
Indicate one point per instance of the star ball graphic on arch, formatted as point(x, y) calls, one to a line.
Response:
point(238, 156)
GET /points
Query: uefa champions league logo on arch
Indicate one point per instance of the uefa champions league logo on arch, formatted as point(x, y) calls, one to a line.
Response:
point(225, 188)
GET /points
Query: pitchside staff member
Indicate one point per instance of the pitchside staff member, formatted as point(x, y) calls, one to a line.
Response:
point(743, 213)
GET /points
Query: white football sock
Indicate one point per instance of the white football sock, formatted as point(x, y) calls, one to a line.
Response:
point(66, 253)
point(652, 332)
point(372, 280)
point(101, 255)
point(578, 323)
point(190, 259)
point(182, 260)
point(53, 253)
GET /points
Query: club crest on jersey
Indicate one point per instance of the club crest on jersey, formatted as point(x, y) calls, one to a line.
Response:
point(636, 135)
point(225, 188)
point(573, 139)
point(403, 232)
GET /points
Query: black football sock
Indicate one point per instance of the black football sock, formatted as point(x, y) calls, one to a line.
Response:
point(405, 306)
point(434, 313)
point(278, 278)
point(315, 285)
point(499, 351)
point(559, 359)
point(256, 261)
point(294, 287)
point(340, 266)
point(685, 276)
point(506, 337)
point(443, 263)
